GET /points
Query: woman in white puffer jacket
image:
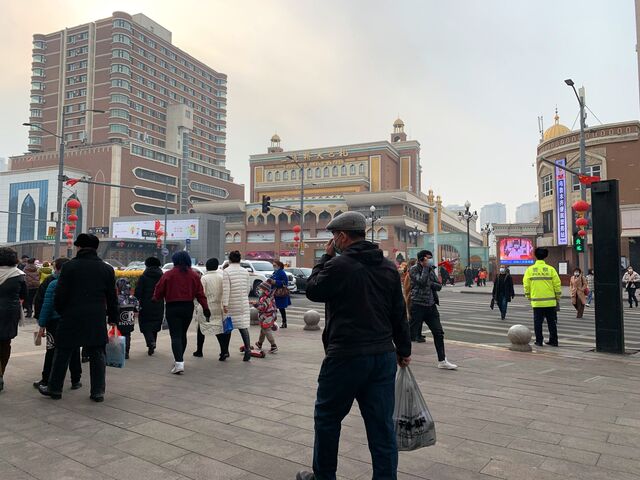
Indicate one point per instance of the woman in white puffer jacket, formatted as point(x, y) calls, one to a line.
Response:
point(235, 299)
point(212, 285)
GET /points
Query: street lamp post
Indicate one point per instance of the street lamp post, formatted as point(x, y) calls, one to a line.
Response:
point(488, 230)
point(583, 161)
point(468, 216)
point(414, 233)
point(56, 248)
point(373, 218)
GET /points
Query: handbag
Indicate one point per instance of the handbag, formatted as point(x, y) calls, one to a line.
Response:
point(413, 422)
point(115, 349)
point(227, 324)
point(281, 292)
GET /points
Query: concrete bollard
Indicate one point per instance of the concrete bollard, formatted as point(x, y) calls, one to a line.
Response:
point(254, 316)
point(311, 320)
point(519, 336)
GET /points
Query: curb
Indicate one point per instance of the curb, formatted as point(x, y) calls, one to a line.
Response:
point(476, 292)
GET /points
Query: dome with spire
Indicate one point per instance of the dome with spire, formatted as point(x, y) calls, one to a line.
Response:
point(275, 138)
point(398, 123)
point(555, 130)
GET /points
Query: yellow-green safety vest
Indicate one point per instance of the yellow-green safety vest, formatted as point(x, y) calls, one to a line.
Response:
point(542, 285)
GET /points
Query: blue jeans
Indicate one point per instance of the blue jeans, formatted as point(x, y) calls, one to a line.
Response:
point(503, 303)
point(369, 379)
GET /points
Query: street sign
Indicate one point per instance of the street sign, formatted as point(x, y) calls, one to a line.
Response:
point(99, 230)
point(50, 237)
point(148, 233)
point(165, 252)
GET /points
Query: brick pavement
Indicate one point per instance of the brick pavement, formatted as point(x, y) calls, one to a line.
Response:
point(550, 415)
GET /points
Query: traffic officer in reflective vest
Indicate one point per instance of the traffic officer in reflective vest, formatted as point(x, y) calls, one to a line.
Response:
point(542, 288)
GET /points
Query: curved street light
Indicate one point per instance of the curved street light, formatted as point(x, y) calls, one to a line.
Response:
point(468, 216)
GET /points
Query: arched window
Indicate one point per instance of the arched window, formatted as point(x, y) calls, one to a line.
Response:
point(260, 220)
point(361, 169)
point(324, 216)
point(27, 219)
point(251, 220)
point(271, 219)
point(339, 212)
point(334, 171)
point(343, 170)
point(309, 173)
point(277, 176)
point(285, 175)
point(318, 172)
point(236, 238)
point(382, 234)
point(310, 217)
point(228, 238)
point(269, 177)
point(325, 172)
point(283, 218)
point(352, 170)
point(294, 175)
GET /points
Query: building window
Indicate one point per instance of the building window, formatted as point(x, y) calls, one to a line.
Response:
point(547, 221)
point(36, 112)
point(155, 194)
point(334, 171)
point(151, 210)
point(318, 172)
point(547, 185)
point(118, 128)
point(120, 83)
point(148, 153)
point(120, 23)
point(152, 176)
point(120, 68)
point(37, 72)
point(39, 44)
point(119, 113)
point(119, 53)
point(38, 58)
point(294, 175)
point(309, 173)
point(277, 176)
point(285, 175)
point(352, 170)
point(35, 141)
point(343, 170)
point(269, 177)
point(361, 169)
point(591, 170)
point(121, 38)
point(37, 86)
point(209, 189)
point(325, 172)
point(120, 98)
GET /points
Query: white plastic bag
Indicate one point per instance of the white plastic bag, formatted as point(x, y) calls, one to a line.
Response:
point(115, 349)
point(413, 422)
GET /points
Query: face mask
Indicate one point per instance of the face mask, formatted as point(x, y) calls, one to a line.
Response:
point(502, 270)
point(430, 262)
point(336, 248)
point(577, 274)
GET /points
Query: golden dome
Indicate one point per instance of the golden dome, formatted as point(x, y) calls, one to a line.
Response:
point(398, 123)
point(555, 130)
point(275, 138)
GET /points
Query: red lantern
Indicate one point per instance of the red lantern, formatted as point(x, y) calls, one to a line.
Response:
point(73, 217)
point(582, 222)
point(297, 229)
point(69, 235)
point(582, 233)
point(296, 238)
point(72, 227)
point(157, 225)
point(295, 245)
point(581, 206)
point(74, 203)
point(159, 233)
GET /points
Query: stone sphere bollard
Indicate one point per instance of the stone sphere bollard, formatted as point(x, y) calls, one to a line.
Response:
point(520, 336)
point(311, 320)
point(254, 316)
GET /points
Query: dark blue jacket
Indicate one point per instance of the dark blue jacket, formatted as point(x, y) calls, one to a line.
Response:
point(281, 280)
point(48, 314)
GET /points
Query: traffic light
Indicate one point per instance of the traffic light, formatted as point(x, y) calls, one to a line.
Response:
point(578, 242)
point(266, 203)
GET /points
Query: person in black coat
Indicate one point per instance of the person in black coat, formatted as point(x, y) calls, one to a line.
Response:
point(85, 296)
point(151, 313)
point(503, 291)
point(13, 288)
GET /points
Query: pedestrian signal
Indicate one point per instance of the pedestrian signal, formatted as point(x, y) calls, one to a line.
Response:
point(578, 243)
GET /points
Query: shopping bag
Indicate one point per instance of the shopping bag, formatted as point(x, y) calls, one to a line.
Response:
point(227, 324)
point(165, 324)
point(37, 339)
point(115, 349)
point(413, 423)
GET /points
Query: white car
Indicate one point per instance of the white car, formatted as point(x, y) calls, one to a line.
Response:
point(201, 269)
point(260, 271)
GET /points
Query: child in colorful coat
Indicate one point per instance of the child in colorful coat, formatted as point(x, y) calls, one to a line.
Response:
point(267, 314)
point(128, 306)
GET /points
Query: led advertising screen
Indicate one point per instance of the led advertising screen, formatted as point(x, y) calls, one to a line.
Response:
point(516, 251)
point(177, 229)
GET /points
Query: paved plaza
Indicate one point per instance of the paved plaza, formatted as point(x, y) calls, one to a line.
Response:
point(552, 414)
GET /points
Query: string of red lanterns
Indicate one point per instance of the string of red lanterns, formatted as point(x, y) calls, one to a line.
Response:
point(296, 237)
point(73, 205)
point(581, 207)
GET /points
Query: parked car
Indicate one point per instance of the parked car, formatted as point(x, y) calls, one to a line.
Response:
point(201, 269)
point(260, 271)
point(115, 264)
point(301, 275)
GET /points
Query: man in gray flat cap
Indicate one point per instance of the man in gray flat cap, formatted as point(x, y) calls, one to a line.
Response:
point(366, 334)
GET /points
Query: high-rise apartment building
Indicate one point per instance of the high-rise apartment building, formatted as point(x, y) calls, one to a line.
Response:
point(493, 213)
point(527, 212)
point(163, 130)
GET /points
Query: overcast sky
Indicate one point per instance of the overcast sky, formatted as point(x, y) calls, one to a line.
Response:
point(469, 78)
